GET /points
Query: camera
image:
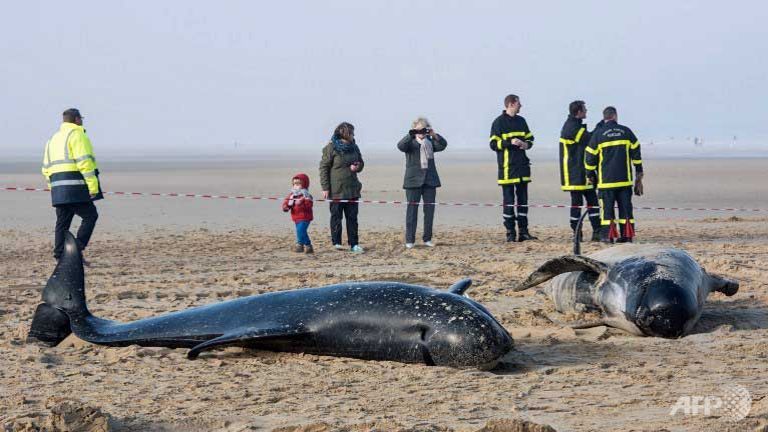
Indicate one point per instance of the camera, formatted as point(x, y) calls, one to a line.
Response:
point(422, 131)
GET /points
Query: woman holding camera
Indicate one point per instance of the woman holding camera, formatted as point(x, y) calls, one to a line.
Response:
point(339, 167)
point(421, 179)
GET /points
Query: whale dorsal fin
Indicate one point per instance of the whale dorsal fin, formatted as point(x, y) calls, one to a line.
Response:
point(564, 264)
point(459, 287)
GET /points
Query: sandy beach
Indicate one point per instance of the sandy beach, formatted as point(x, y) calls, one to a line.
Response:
point(155, 255)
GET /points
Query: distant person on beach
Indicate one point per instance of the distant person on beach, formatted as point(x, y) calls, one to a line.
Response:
point(574, 138)
point(510, 138)
point(299, 203)
point(421, 179)
point(339, 167)
point(70, 169)
point(612, 151)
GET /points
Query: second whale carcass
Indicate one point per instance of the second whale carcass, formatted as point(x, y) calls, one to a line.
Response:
point(646, 290)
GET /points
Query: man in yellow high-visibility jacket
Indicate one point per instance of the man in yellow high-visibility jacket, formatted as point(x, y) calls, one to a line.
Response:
point(73, 177)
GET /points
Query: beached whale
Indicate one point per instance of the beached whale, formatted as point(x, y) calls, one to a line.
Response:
point(366, 320)
point(643, 289)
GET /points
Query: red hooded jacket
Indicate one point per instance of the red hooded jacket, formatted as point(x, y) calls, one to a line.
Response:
point(299, 203)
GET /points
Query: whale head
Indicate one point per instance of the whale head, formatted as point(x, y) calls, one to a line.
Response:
point(666, 309)
point(468, 336)
point(661, 295)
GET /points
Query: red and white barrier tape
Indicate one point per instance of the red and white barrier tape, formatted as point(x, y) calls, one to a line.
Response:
point(460, 204)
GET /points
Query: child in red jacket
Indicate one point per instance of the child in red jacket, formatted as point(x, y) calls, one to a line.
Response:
point(299, 203)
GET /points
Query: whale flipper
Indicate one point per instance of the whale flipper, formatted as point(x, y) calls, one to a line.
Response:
point(564, 264)
point(722, 284)
point(242, 336)
point(460, 287)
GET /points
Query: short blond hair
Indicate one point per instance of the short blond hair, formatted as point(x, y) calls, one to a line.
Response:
point(420, 123)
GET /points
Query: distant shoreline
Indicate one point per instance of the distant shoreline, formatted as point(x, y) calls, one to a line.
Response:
point(10, 164)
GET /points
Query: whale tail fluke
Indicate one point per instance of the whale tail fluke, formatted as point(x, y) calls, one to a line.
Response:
point(63, 297)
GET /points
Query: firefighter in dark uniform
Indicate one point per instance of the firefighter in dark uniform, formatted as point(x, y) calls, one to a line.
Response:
point(510, 138)
point(574, 138)
point(613, 150)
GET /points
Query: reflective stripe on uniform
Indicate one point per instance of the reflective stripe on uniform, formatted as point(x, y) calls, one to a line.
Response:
point(59, 162)
point(506, 164)
point(89, 174)
point(566, 174)
point(67, 183)
point(514, 134)
point(579, 134)
point(576, 187)
point(637, 162)
point(82, 158)
point(591, 150)
point(614, 185)
point(65, 159)
point(614, 143)
point(514, 180)
point(498, 141)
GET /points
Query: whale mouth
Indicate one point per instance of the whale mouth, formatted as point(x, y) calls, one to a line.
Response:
point(668, 321)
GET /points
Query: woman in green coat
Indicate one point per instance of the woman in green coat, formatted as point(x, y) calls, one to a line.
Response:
point(421, 179)
point(339, 167)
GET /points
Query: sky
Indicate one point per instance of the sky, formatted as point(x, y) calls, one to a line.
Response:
point(192, 78)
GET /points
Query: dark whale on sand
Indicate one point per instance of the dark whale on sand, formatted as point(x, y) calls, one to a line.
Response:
point(644, 289)
point(365, 320)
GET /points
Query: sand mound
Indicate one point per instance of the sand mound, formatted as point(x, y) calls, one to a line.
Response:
point(64, 416)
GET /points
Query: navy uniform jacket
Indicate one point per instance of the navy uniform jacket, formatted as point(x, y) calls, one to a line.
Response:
point(514, 165)
point(612, 151)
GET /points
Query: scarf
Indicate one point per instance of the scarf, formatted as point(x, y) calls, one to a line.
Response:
point(426, 151)
point(301, 193)
point(341, 146)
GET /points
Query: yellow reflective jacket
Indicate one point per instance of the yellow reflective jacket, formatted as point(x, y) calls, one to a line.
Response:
point(69, 166)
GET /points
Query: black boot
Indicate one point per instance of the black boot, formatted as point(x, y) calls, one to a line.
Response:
point(604, 235)
point(509, 224)
point(596, 235)
point(525, 235)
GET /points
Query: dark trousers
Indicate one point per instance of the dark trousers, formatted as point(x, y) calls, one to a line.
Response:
point(414, 195)
point(64, 214)
point(511, 213)
point(349, 211)
point(577, 199)
point(621, 197)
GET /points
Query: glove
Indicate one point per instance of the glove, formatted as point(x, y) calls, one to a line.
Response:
point(639, 184)
point(592, 177)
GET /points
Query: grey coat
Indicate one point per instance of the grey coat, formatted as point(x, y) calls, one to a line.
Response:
point(415, 176)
